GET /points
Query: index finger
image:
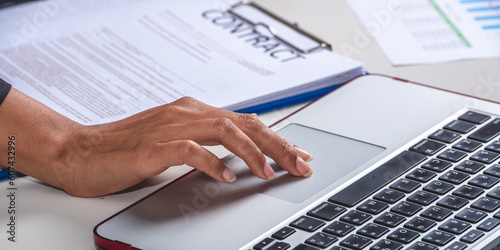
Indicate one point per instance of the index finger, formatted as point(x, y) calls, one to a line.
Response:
point(286, 154)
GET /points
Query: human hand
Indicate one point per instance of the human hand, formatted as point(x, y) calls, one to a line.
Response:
point(107, 158)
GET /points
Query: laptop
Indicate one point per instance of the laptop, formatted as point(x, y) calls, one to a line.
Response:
point(397, 165)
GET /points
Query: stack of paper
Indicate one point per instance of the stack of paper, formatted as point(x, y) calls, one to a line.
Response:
point(101, 66)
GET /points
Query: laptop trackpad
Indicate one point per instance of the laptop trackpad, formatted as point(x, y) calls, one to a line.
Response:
point(334, 157)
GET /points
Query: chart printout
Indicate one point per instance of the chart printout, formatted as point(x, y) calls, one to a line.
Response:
point(429, 31)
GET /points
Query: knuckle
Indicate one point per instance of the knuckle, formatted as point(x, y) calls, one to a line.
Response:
point(213, 164)
point(187, 99)
point(223, 126)
point(188, 148)
point(186, 104)
point(250, 122)
point(286, 148)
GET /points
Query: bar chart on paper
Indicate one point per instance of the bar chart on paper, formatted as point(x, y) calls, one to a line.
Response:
point(427, 31)
point(486, 14)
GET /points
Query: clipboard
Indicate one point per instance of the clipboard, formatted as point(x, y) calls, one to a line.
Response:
point(291, 35)
point(250, 12)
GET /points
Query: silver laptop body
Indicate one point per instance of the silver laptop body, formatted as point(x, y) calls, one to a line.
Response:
point(350, 132)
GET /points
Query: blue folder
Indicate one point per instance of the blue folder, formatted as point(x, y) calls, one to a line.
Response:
point(309, 96)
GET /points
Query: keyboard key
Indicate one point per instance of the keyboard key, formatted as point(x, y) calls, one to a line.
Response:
point(422, 198)
point(403, 235)
point(304, 247)
point(472, 236)
point(467, 145)
point(489, 224)
point(487, 132)
point(474, 117)
point(307, 224)
point(373, 231)
point(455, 226)
point(389, 196)
point(470, 167)
point(326, 211)
point(321, 240)
point(421, 175)
point(436, 165)
point(459, 126)
point(494, 146)
point(279, 246)
point(338, 248)
point(485, 156)
point(428, 147)
point(486, 204)
point(468, 192)
point(405, 185)
point(283, 233)
point(438, 187)
point(454, 177)
point(452, 155)
point(390, 219)
point(445, 136)
point(406, 208)
point(422, 246)
point(356, 217)
point(373, 206)
point(457, 245)
point(263, 244)
point(495, 193)
point(471, 215)
point(439, 238)
point(338, 228)
point(386, 245)
point(493, 171)
point(385, 173)
point(356, 242)
point(452, 202)
point(484, 181)
point(420, 224)
point(437, 213)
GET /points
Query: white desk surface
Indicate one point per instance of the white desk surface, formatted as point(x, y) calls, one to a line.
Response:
point(49, 218)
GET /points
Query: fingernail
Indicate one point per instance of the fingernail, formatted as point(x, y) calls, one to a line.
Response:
point(303, 168)
point(269, 172)
point(306, 156)
point(228, 176)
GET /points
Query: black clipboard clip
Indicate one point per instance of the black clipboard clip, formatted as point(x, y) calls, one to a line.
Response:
point(308, 42)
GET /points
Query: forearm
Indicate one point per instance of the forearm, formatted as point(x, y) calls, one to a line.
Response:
point(41, 136)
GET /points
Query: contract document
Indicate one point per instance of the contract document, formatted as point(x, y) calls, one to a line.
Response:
point(97, 64)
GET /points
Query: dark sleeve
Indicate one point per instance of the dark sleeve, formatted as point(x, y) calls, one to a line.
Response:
point(4, 89)
point(8, 3)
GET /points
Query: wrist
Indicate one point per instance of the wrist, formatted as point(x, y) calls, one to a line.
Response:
point(46, 153)
point(42, 136)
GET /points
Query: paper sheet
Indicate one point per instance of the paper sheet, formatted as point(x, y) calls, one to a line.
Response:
point(430, 31)
point(104, 65)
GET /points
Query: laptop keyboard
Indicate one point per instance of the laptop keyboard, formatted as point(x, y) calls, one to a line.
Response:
point(441, 193)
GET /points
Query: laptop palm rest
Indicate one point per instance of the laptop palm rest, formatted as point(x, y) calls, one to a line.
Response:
point(203, 210)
